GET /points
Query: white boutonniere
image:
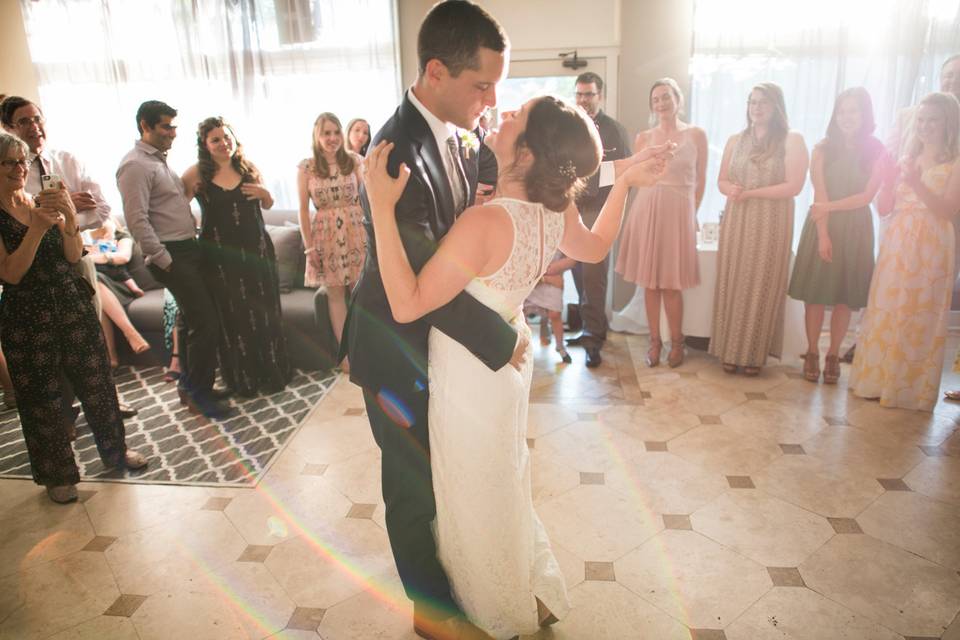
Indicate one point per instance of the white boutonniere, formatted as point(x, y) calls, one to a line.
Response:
point(469, 142)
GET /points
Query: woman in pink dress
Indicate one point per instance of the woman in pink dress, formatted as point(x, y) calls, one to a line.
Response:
point(335, 240)
point(658, 248)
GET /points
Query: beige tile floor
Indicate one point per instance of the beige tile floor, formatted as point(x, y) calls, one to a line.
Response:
point(681, 503)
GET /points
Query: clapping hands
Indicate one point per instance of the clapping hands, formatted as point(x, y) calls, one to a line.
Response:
point(383, 190)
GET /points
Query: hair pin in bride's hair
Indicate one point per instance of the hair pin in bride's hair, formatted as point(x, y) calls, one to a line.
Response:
point(568, 170)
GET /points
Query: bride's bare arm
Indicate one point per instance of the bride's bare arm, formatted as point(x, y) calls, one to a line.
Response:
point(464, 252)
point(592, 245)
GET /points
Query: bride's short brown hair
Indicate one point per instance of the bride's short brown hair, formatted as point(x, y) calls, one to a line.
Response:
point(566, 150)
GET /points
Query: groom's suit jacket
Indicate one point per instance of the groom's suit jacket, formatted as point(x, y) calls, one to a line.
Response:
point(386, 356)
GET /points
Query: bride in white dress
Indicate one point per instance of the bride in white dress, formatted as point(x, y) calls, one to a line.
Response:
point(490, 541)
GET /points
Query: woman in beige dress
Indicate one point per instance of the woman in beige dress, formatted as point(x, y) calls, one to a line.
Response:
point(763, 169)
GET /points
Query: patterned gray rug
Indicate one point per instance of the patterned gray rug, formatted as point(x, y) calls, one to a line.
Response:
point(184, 448)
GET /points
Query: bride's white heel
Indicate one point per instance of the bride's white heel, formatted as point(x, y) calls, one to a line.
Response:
point(545, 617)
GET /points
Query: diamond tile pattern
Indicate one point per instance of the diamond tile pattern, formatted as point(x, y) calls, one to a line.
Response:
point(125, 606)
point(602, 571)
point(893, 484)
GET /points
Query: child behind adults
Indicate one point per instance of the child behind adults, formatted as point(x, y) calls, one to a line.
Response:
point(546, 301)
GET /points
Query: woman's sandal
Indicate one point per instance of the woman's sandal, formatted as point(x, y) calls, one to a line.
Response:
point(564, 355)
point(677, 353)
point(952, 394)
point(831, 370)
point(729, 368)
point(653, 353)
point(170, 375)
point(751, 372)
point(811, 367)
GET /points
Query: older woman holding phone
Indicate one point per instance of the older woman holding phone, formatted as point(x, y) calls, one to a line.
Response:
point(47, 325)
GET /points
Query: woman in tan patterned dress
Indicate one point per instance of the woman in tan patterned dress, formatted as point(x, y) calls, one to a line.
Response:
point(335, 240)
point(763, 168)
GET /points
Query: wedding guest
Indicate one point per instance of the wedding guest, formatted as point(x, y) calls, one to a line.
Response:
point(358, 136)
point(658, 246)
point(763, 169)
point(171, 336)
point(111, 250)
point(835, 258)
point(899, 135)
point(546, 300)
point(48, 324)
point(335, 240)
point(900, 349)
point(158, 215)
point(239, 263)
point(896, 142)
point(24, 119)
point(591, 279)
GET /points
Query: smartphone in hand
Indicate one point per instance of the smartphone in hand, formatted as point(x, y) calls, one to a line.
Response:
point(51, 181)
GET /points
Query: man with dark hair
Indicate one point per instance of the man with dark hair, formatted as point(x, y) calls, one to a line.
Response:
point(152, 112)
point(591, 279)
point(159, 218)
point(463, 54)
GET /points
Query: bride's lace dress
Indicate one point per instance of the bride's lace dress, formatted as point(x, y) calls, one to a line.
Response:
point(490, 541)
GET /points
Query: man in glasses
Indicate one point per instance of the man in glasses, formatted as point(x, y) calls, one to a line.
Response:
point(24, 119)
point(591, 279)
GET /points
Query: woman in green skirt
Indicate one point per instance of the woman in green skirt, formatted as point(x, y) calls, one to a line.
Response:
point(835, 258)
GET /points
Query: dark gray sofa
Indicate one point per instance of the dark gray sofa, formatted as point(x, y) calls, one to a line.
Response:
point(306, 322)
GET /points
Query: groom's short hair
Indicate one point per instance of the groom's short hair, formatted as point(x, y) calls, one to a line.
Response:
point(453, 33)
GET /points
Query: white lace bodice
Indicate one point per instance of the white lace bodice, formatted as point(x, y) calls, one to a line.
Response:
point(537, 232)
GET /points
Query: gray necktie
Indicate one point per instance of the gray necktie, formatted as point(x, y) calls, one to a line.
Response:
point(455, 175)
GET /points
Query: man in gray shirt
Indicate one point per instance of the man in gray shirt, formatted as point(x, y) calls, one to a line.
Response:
point(159, 218)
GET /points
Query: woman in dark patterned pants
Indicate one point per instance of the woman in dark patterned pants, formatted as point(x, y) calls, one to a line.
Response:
point(48, 325)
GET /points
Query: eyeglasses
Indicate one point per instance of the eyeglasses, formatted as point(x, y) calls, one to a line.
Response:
point(10, 164)
point(586, 94)
point(26, 122)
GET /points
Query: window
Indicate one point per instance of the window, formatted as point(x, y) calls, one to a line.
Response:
point(813, 50)
point(267, 66)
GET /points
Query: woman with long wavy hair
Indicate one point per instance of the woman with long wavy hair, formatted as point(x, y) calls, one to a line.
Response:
point(335, 240)
point(763, 168)
point(239, 261)
point(835, 258)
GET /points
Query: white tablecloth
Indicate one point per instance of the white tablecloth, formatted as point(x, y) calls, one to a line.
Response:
point(698, 310)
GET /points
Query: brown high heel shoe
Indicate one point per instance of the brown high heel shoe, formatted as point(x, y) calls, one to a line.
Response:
point(677, 353)
point(653, 353)
point(811, 366)
point(831, 370)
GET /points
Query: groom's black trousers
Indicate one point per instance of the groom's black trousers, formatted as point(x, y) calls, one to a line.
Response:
point(408, 495)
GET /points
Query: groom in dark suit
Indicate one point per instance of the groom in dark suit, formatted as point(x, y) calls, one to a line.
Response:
point(463, 54)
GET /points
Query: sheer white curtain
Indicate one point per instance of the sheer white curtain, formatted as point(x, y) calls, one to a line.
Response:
point(268, 66)
point(813, 49)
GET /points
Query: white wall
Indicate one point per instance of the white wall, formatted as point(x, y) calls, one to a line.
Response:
point(16, 68)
